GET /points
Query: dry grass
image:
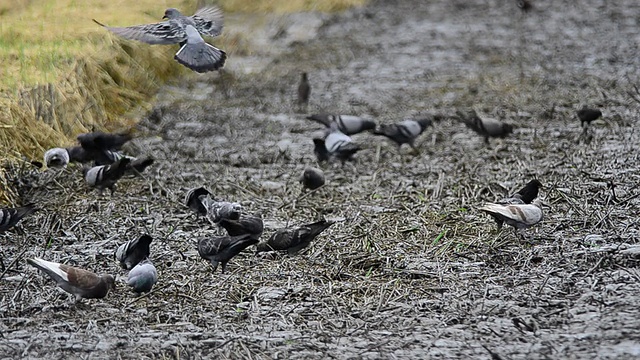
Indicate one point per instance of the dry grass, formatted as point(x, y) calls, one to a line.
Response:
point(63, 74)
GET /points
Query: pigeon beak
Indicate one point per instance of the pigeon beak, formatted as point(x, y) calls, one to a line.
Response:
point(165, 17)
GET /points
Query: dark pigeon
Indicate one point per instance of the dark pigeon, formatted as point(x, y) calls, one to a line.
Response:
point(587, 115)
point(142, 277)
point(346, 124)
point(404, 132)
point(487, 127)
point(304, 91)
point(102, 141)
point(221, 249)
point(294, 239)
point(106, 176)
point(9, 217)
point(192, 200)
point(246, 224)
point(76, 281)
point(133, 251)
point(524, 5)
point(312, 178)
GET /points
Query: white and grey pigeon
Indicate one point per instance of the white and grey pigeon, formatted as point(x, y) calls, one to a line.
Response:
point(106, 176)
point(520, 216)
point(404, 132)
point(56, 157)
point(199, 200)
point(142, 277)
point(194, 53)
point(336, 144)
point(346, 124)
point(133, 251)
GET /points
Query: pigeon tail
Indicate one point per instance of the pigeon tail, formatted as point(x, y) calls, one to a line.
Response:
point(199, 56)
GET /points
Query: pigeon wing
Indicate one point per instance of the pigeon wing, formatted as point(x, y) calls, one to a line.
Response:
point(209, 21)
point(162, 33)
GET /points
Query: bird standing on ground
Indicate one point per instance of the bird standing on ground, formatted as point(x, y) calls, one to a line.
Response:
point(106, 176)
point(76, 281)
point(194, 53)
point(246, 224)
point(9, 217)
point(312, 178)
point(486, 127)
point(199, 200)
point(294, 239)
point(346, 124)
point(587, 115)
point(404, 132)
point(304, 91)
point(133, 251)
point(520, 216)
point(142, 277)
point(526, 195)
point(221, 249)
point(337, 145)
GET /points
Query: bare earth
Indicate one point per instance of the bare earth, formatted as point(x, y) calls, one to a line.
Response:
point(411, 269)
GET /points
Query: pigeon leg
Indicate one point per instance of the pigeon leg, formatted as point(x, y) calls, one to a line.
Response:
point(416, 151)
point(224, 267)
point(215, 265)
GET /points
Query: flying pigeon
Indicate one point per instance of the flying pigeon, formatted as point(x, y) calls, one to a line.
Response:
point(106, 176)
point(220, 249)
point(304, 90)
point(56, 157)
point(133, 251)
point(294, 239)
point(520, 216)
point(246, 224)
point(76, 281)
point(336, 144)
point(404, 132)
point(102, 141)
point(312, 178)
point(9, 217)
point(194, 52)
point(142, 277)
point(346, 124)
point(587, 115)
point(486, 127)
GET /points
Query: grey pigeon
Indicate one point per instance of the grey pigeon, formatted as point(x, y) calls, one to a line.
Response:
point(142, 277)
point(194, 53)
point(192, 200)
point(404, 132)
point(335, 145)
point(106, 176)
point(133, 251)
point(9, 217)
point(346, 124)
point(587, 115)
point(304, 91)
point(312, 178)
point(221, 249)
point(76, 281)
point(294, 239)
point(218, 210)
point(56, 157)
point(246, 224)
point(520, 216)
point(486, 127)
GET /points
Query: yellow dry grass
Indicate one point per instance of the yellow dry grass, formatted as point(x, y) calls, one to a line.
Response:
point(62, 74)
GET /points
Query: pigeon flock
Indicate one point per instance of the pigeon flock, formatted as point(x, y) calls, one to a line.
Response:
point(104, 164)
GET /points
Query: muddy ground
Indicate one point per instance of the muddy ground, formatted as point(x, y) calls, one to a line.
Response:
point(411, 269)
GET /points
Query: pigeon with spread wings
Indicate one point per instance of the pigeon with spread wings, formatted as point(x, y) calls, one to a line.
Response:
point(187, 31)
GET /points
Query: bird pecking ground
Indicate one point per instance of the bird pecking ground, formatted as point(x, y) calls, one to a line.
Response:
point(411, 269)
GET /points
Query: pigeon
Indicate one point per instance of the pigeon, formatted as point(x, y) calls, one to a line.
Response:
point(524, 5)
point(194, 52)
point(9, 217)
point(106, 176)
point(76, 281)
point(220, 249)
point(404, 132)
point(486, 127)
point(520, 216)
point(102, 141)
point(142, 277)
point(193, 201)
point(133, 251)
point(304, 90)
point(587, 115)
point(294, 239)
point(246, 224)
point(346, 124)
point(79, 154)
point(526, 195)
point(312, 178)
point(337, 145)
point(56, 157)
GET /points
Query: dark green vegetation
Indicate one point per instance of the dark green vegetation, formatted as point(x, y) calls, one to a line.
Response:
point(410, 267)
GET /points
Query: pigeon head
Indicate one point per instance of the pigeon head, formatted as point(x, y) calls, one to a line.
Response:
point(171, 13)
point(507, 129)
point(424, 123)
point(110, 281)
point(304, 76)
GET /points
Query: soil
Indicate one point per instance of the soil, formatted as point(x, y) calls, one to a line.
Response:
point(412, 268)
